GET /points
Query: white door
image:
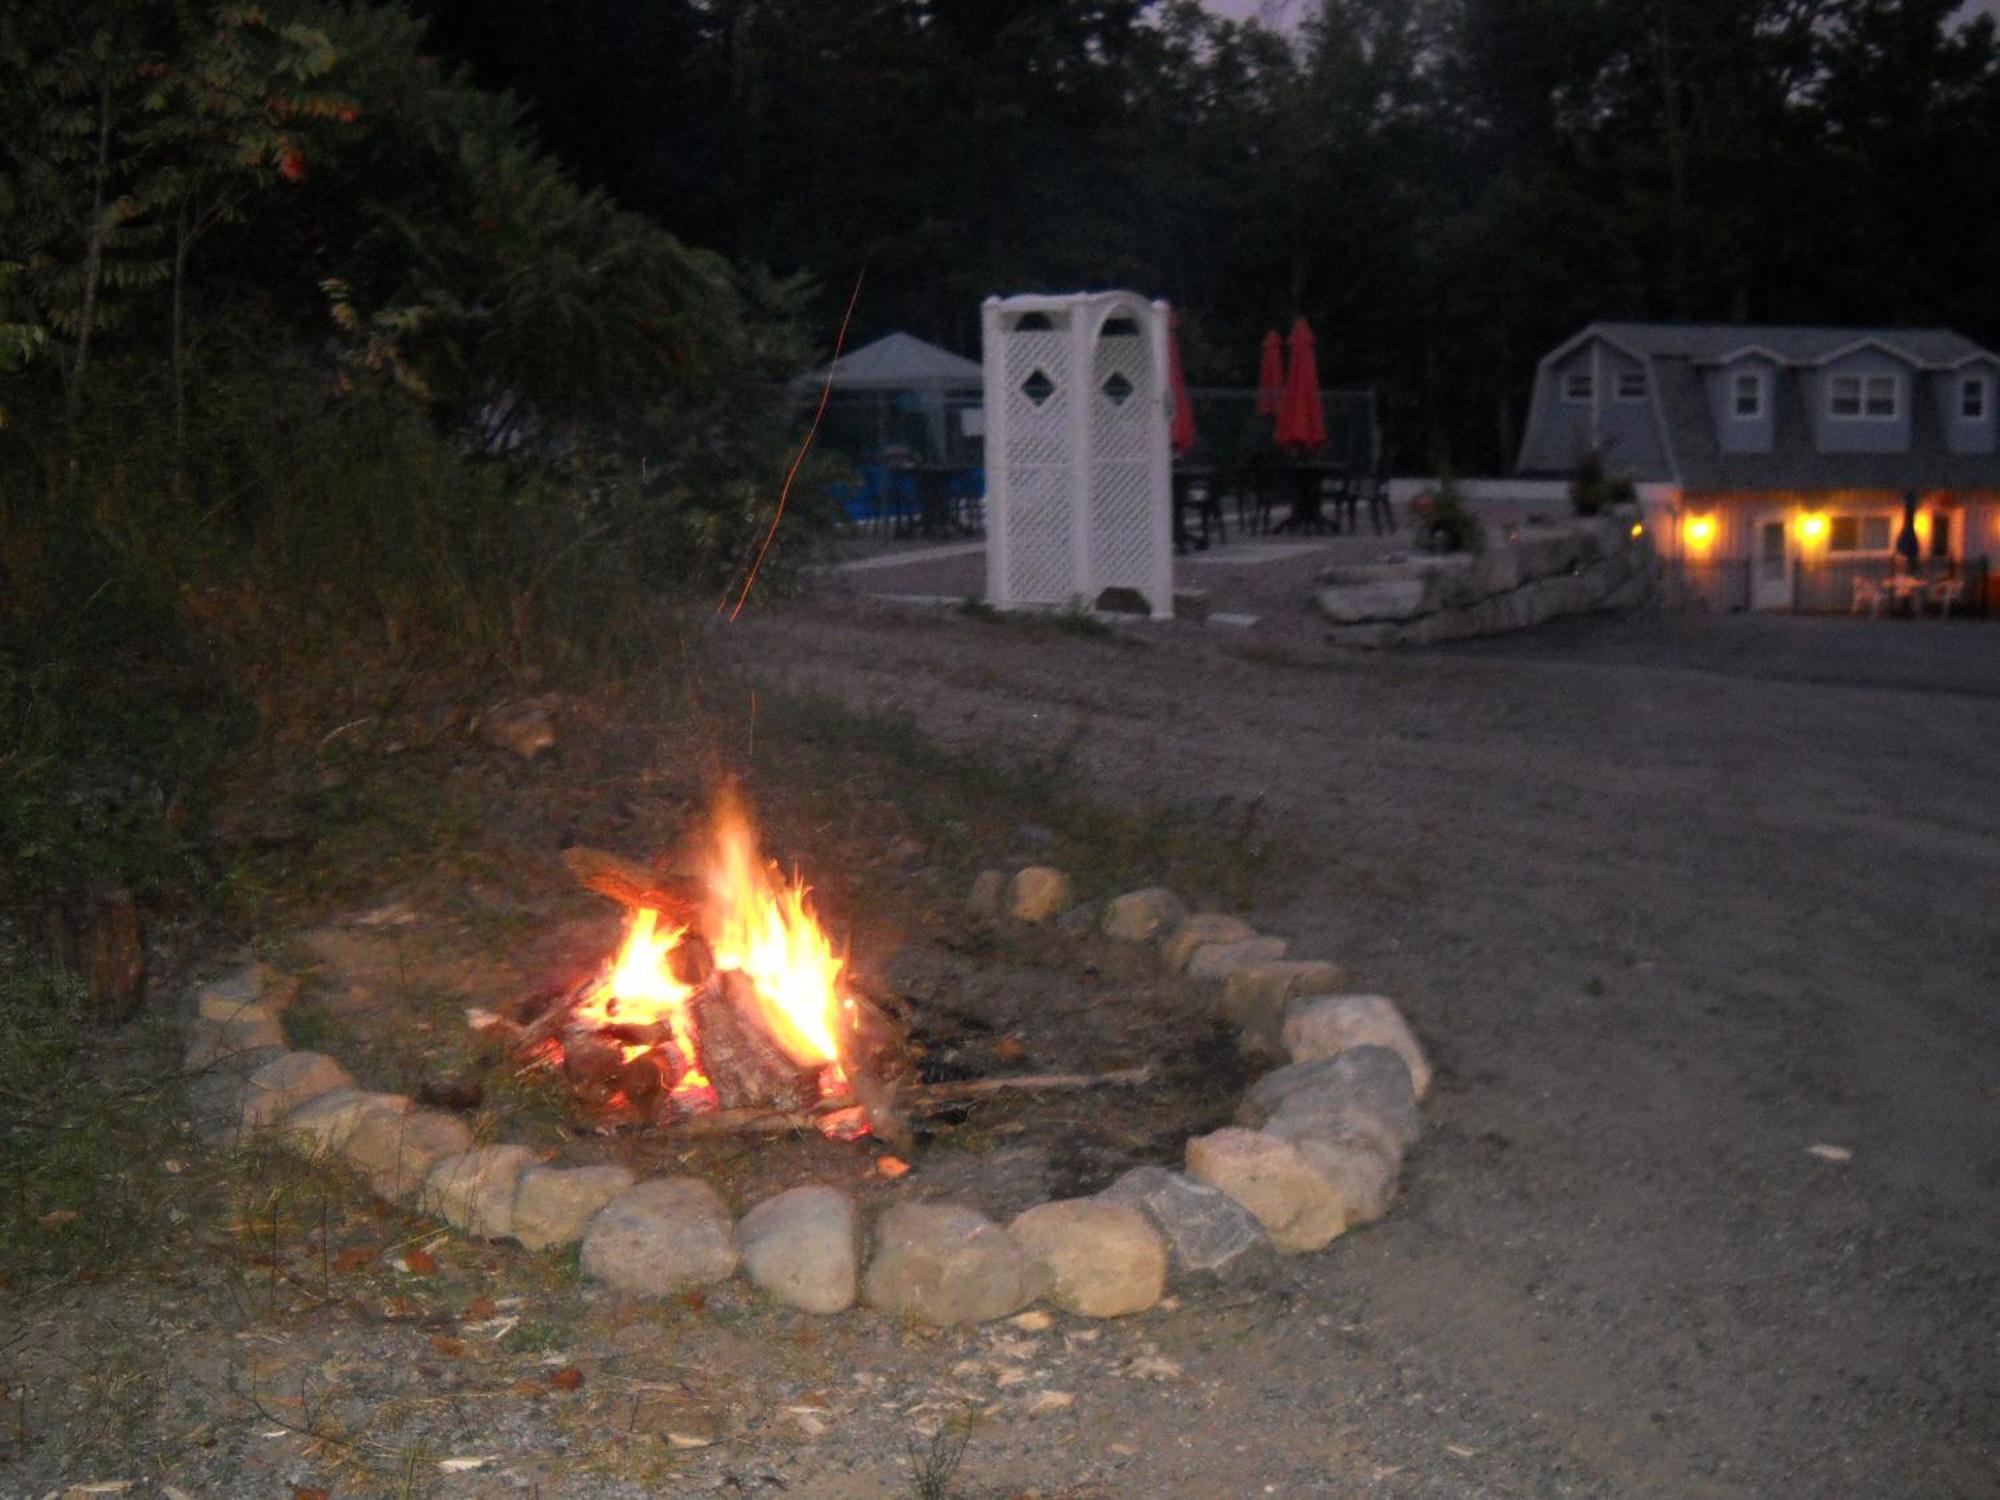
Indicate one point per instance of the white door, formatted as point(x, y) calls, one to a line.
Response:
point(1770, 562)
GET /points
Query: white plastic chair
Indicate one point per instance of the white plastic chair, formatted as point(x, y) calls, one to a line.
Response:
point(1946, 592)
point(1867, 596)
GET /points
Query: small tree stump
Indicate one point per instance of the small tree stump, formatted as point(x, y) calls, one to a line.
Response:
point(97, 937)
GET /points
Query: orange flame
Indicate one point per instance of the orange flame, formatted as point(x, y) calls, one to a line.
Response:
point(759, 925)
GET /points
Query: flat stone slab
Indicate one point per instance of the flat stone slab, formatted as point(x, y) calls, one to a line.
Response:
point(803, 1247)
point(553, 1205)
point(1367, 1082)
point(661, 1236)
point(1206, 1232)
point(213, 1043)
point(474, 1190)
point(284, 1083)
point(1198, 931)
point(944, 1263)
point(1298, 1208)
point(1037, 893)
point(1105, 1257)
point(1144, 916)
point(1325, 1025)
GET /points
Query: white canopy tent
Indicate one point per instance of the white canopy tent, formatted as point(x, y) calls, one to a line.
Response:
point(903, 391)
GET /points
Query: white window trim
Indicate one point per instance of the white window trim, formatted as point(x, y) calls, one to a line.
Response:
point(1741, 381)
point(1618, 391)
point(1569, 383)
point(1861, 413)
point(1967, 384)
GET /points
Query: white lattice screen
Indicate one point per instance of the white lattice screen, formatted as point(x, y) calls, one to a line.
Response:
point(1077, 479)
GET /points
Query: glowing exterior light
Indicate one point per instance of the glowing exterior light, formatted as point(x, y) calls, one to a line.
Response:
point(1638, 530)
point(1812, 529)
point(1699, 533)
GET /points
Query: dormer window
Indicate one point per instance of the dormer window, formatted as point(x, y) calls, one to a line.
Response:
point(1631, 385)
point(1972, 398)
point(1578, 386)
point(1746, 395)
point(1876, 396)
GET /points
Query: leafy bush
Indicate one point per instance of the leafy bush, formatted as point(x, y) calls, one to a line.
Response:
point(1443, 524)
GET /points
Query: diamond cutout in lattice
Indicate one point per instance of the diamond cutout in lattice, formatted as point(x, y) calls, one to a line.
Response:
point(1117, 389)
point(1038, 387)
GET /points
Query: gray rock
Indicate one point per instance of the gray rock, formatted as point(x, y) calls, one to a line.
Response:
point(1078, 921)
point(474, 1190)
point(660, 1236)
point(1362, 1173)
point(283, 1084)
point(1144, 916)
point(803, 1247)
point(1105, 1257)
point(1217, 961)
point(988, 893)
point(1254, 997)
point(1298, 1207)
point(1206, 1231)
point(944, 1263)
point(1370, 1079)
point(1320, 1025)
point(397, 1150)
point(553, 1204)
point(524, 727)
point(1198, 931)
point(1037, 893)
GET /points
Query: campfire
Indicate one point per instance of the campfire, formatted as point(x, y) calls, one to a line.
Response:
point(724, 1006)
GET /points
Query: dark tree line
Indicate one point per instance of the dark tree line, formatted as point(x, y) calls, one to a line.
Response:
point(1445, 187)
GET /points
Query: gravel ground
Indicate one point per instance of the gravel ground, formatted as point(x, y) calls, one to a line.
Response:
point(1671, 900)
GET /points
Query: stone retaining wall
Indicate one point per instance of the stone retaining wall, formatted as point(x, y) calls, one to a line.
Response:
point(1542, 572)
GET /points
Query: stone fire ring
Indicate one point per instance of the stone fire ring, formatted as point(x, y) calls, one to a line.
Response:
point(1318, 1149)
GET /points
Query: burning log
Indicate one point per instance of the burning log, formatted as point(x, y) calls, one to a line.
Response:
point(676, 897)
point(745, 1066)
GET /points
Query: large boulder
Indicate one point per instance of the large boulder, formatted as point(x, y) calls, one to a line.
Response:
point(396, 1149)
point(1037, 894)
point(1321, 1025)
point(1200, 930)
point(553, 1205)
point(803, 1247)
point(661, 1236)
point(1368, 1083)
point(1206, 1232)
point(1254, 996)
point(1298, 1207)
point(474, 1190)
point(945, 1263)
point(1144, 916)
point(1105, 1257)
point(1217, 961)
point(284, 1083)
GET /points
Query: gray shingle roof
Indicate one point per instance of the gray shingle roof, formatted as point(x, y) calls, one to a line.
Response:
point(1705, 342)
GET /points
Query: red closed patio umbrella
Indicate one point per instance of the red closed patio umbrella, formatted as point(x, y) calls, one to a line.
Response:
point(1270, 375)
point(1301, 417)
point(1182, 432)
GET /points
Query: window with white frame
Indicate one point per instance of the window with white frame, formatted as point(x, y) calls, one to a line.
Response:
point(1578, 386)
point(1746, 395)
point(1850, 534)
point(1972, 398)
point(1631, 385)
point(1877, 396)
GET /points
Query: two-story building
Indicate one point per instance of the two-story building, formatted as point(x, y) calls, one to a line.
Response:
point(1774, 464)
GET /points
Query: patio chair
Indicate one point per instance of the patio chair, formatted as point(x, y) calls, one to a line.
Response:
point(1945, 592)
point(1867, 597)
